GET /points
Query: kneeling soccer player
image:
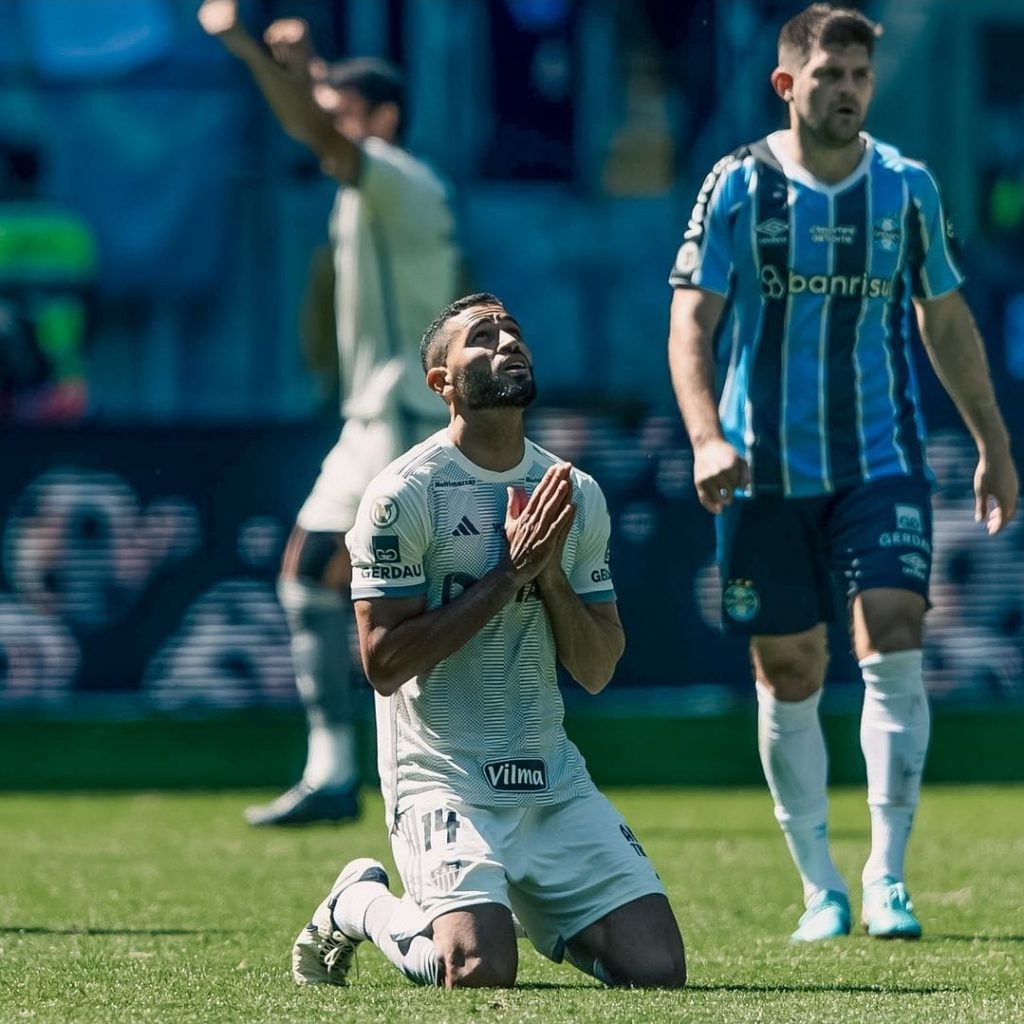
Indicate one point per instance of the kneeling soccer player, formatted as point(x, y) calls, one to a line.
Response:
point(478, 559)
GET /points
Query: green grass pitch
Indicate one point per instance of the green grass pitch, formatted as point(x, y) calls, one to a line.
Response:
point(168, 908)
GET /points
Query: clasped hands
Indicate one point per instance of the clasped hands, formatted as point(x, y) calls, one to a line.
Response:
point(537, 525)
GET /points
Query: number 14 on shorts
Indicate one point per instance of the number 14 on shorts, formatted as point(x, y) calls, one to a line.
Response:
point(442, 820)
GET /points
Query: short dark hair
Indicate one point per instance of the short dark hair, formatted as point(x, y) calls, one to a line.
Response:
point(377, 81)
point(434, 343)
point(827, 26)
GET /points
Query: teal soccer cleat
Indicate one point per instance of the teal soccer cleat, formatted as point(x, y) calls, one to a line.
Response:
point(827, 917)
point(888, 911)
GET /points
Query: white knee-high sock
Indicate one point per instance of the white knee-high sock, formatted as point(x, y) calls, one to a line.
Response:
point(318, 620)
point(368, 913)
point(331, 756)
point(792, 748)
point(894, 729)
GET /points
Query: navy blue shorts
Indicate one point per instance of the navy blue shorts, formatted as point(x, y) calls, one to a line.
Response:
point(785, 562)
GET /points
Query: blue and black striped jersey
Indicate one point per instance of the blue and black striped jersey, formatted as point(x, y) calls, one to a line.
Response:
point(819, 389)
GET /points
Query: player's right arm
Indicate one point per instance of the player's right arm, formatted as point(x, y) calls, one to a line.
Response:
point(702, 277)
point(400, 639)
point(718, 469)
point(289, 95)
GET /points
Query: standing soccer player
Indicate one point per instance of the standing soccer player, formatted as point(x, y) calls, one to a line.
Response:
point(479, 562)
point(395, 265)
point(806, 254)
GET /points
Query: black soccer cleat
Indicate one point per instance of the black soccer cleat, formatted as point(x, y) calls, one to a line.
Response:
point(302, 805)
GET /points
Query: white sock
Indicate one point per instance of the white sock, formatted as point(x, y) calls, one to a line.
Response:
point(894, 729)
point(367, 912)
point(318, 620)
point(792, 748)
point(330, 757)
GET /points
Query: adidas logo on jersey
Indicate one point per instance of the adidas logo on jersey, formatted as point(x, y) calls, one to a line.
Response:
point(466, 528)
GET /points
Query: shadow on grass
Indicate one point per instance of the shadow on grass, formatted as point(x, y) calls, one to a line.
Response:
point(541, 986)
point(974, 938)
point(683, 834)
point(879, 990)
point(72, 930)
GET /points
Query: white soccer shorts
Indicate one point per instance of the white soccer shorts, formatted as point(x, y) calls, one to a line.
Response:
point(558, 869)
point(364, 448)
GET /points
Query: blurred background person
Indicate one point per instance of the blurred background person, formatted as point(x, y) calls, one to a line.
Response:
point(47, 296)
point(395, 264)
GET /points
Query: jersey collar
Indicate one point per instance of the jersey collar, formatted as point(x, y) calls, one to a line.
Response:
point(506, 476)
point(797, 172)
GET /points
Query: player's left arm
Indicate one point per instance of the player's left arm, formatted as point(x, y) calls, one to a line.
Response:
point(589, 636)
point(957, 353)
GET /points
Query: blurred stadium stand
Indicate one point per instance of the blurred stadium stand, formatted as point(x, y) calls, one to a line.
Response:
point(139, 561)
point(139, 547)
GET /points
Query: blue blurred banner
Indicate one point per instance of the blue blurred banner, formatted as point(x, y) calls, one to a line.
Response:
point(138, 566)
point(141, 560)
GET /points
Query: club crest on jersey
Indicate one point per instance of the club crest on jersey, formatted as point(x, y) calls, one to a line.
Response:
point(741, 601)
point(384, 512)
point(446, 874)
point(517, 775)
point(385, 548)
point(887, 233)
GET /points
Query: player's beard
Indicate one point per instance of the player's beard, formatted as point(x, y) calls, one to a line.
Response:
point(837, 135)
point(481, 389)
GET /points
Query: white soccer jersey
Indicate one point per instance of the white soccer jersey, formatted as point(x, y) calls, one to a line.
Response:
point(395, 268)
point(485, 724)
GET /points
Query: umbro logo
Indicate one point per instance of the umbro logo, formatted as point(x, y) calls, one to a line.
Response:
point(466, 528)
point(773, 231)
point(914, 565)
